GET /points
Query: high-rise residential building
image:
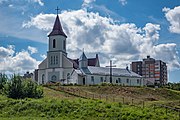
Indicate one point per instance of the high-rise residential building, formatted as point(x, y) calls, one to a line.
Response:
point(155, 71)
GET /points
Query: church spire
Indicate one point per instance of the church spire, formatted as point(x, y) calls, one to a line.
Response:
point(57, 29)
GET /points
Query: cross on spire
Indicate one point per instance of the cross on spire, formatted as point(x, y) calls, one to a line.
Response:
point(57, 9)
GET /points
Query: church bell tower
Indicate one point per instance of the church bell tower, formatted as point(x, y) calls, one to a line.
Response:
point(57, 45)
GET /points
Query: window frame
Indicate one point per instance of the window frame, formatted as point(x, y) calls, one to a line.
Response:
point(92, 79)
point(54, 43)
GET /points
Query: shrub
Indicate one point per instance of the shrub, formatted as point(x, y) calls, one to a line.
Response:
point(31, 89)
point(18, 88)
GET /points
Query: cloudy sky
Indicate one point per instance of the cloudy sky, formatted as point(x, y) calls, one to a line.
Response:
point(120, 30)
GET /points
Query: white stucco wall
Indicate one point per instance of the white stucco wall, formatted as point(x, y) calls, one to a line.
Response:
point(132, 81)
point(59, 43)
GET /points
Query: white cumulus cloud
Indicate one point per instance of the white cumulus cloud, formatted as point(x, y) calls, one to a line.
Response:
point(16, 62)
point(87, 3)
point(32, 49)
point(40, 22)
point(173, 16)
point(123, 2)
point(39, 2)
point(4, 52)
point(121, 42)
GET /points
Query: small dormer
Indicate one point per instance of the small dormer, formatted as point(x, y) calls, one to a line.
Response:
point(83, 61)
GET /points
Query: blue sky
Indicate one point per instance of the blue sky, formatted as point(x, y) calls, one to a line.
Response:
point(121, 30)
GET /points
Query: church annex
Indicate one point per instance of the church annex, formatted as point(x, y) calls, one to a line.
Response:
point(57, 67)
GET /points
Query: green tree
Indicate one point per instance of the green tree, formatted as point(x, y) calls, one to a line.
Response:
point(3, 80)
point(18, 88)
point(14, 88)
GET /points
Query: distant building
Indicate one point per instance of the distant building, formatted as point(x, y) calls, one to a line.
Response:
point(28, 75)
point(155, 71)
point(57, 67)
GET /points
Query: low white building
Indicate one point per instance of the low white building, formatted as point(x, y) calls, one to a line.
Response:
point(57, 67)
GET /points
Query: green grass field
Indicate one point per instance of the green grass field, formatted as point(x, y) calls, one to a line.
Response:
point(59, 105)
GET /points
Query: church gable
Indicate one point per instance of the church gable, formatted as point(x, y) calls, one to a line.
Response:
point(67, 63)
point(43, 64)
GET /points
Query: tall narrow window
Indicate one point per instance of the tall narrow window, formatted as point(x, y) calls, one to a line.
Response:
point(101, 79)
point(119, 80)
point(137, 81)
point(51, 60)
point(68, 76)
point(54, 43)
point(64, 45)
point(43, 78)
point(127, 80)
point(56, 59)
point(92, 79)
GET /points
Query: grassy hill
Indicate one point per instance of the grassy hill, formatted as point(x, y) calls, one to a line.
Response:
point(141, 93)
point(60, 105)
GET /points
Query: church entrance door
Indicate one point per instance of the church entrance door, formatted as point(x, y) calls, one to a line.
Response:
point(83, 81)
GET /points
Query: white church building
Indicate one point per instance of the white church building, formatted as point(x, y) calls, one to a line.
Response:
point(57, 67)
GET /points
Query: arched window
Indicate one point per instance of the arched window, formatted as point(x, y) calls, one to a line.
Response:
point(43, 77)
point(53, 78)
point(54, 43)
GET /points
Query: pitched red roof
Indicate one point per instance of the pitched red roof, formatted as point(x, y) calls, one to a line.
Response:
point(75, 63)
point(57, 29)
point(92, 62)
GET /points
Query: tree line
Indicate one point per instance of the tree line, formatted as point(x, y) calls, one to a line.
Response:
point(174, 86)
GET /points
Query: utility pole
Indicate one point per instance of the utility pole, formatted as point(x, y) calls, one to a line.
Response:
point(110, 70)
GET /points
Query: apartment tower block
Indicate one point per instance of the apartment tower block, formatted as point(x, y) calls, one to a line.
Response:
point(154, 71)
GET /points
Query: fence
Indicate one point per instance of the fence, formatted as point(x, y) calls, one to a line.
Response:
point(124, 100)
point(166, 108)
point(108, 98)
